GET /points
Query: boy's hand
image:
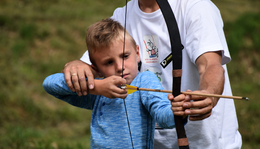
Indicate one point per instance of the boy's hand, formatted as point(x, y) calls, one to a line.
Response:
point(110, 87)
point(197, 109)
point(177, 104)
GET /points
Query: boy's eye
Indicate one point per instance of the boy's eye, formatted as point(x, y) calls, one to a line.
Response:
point(126, 56)
point(109, 63)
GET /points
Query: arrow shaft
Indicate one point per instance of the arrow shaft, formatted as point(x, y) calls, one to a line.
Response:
point(215, 95)
point(190, 93)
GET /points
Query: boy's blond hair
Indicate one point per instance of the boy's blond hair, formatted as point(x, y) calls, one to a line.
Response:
point(103, 34)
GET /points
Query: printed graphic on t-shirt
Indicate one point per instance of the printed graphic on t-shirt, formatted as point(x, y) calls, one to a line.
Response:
point(157, 72)
point(150, 46)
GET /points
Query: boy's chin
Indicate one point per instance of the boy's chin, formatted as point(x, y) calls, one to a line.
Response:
point(128, 81)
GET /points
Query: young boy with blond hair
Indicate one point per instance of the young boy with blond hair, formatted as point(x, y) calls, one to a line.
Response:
point(109, 125)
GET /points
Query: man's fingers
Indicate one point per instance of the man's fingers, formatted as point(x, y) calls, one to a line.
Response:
point(64, 68)
point(82, 88)
point(199, 114)
point(83, 85)
point(90, 77)
point(198, 103)
point(76, 84)
point(194, 111)
point(67, 77)
point(199, 117)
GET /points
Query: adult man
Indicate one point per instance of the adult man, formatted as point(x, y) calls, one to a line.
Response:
point(205, 54)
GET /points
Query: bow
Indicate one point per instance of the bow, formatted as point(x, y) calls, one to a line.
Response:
point(123, 74)
point(176, 48)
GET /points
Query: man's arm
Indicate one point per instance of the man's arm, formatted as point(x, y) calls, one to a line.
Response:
point(211, 81)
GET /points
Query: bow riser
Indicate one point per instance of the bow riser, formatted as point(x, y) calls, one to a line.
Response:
point(176, 48)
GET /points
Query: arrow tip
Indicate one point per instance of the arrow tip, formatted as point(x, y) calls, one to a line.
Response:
point(246, 98)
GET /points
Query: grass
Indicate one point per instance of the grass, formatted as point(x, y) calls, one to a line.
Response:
point(38, 37)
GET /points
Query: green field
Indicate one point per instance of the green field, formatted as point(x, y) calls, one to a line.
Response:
point(38, 37)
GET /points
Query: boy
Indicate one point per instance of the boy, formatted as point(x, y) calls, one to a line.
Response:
point(109, 125)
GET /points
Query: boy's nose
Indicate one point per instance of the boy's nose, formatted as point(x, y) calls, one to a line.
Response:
point(120, 67)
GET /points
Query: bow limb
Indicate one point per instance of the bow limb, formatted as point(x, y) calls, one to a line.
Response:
point(176, 48)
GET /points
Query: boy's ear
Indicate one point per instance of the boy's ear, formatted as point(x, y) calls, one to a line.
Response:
point(138, 58)
point(98, 73)
point(138, 54)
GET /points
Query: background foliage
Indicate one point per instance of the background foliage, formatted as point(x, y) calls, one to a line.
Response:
point(38, 37)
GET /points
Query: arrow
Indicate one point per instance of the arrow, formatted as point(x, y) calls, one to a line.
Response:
point(131, 89)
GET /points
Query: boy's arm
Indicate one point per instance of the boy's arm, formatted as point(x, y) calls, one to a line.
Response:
point(165, 113)
point(56, 86)
point(157, 103)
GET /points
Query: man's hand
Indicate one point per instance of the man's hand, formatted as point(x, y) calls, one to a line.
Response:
point(211, 81)
point(77, 71)
point(200, 107)
point(197, 107)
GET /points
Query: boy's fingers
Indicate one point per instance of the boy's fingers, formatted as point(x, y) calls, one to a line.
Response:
point(180, 97)
point(170, 97)
point(177, 109)
point(119, 93)
point(179, 113)
point(177, 104)
point(118, 90)
point(119, 81)
point(123, 96)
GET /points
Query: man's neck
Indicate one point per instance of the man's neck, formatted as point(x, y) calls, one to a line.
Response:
point(148, 6)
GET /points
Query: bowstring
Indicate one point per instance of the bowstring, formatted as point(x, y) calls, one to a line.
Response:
point(123, 74)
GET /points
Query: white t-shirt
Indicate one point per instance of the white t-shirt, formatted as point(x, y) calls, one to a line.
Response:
point(201, 30)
